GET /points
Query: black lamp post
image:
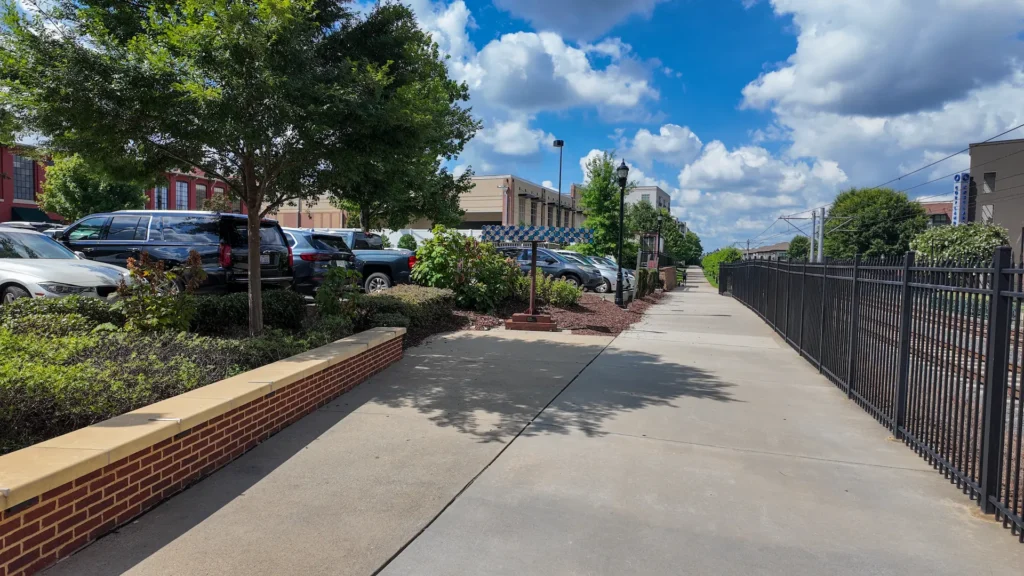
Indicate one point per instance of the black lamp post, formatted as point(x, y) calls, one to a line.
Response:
point(560, 144)
point(623, 173)
point(657, 246)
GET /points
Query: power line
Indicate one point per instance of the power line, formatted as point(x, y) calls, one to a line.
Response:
point(1021, 151)
point(1017, 127)
point(968, 149)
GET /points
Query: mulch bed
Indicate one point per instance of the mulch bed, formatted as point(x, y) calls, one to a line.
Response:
point(593, 315)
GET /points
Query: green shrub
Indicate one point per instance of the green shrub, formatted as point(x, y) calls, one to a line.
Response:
point(408, 242)
point(424, 307)
point(563, 294)
point(229, 313)
point(52, 385)
point(711, 262)
point(284, 309)
point(94, 310)
point(974, 242)
point(479, 276)
point(54, 325)
point(339, 294)
point(390, 320)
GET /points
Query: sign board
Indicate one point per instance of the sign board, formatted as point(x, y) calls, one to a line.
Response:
point(961, 194)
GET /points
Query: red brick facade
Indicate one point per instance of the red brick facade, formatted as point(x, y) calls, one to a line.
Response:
point(37, 533)
point(7, 200)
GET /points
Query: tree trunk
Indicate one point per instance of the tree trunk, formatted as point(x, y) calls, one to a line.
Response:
point(255, 272)
point(364, 218)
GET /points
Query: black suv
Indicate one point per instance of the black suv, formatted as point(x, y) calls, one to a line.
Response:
point(220, 239)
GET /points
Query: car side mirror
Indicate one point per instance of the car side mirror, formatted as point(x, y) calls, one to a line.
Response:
point(80, 255)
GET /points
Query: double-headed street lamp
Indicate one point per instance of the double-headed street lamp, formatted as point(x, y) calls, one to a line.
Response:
point(623, 173)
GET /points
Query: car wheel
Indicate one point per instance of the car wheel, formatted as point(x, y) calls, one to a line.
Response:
point(604, 287)
point(572, 280)
point(376, 282)
point(12, 293)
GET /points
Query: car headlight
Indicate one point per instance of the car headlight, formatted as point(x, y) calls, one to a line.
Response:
point(58, 288)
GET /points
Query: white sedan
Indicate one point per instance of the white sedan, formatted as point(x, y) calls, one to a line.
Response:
point(33, 265)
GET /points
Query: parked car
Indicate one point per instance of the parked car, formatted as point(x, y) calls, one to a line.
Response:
point(313, 254)
point(608, 269)
point(554, 264)
point(381, 268)
point(220, 239)
point(33, 265)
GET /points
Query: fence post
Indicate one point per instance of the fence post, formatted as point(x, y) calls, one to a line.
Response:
point(723, 275)
point(821, 320)
point(992, 437)
point(900, 415)
point(803, 306)
point(787, 298)
point(851, 367)
point(775, 298)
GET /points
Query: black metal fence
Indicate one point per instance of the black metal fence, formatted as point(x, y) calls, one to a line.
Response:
point(931, 350)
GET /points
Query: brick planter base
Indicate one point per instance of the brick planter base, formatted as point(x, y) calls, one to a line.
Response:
point(36, 533)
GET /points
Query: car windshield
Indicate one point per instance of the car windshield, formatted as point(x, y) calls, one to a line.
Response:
point(603, 261)
point(575, 259)
point(21, 245)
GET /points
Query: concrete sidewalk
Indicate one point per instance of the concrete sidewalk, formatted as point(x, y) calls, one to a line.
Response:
point(342, 490)
point(696, 443)
point(722, 452)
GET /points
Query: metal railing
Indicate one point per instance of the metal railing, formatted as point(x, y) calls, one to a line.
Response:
point(931, 350)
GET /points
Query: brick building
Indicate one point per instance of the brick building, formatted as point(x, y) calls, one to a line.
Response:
point(21, 184)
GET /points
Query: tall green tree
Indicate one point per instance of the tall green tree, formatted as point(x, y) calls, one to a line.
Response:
point(691, 249)
point(262, 94)
point(872, 222)
point(799, 248)
point(642, 217)
point(391, 148)
point(73, 190)
point(600, 199)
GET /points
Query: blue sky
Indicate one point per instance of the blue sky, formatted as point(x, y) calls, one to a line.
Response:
point(743, 110)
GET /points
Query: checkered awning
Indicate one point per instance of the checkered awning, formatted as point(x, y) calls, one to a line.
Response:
point(493, 233)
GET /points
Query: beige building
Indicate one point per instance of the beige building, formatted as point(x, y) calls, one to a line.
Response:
point(507, 200)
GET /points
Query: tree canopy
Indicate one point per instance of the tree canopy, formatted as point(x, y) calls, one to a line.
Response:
point(280, 99)
point(600, 199)
point(73, 190)
point(389, 150)
point(872, 222)
point(799, 248)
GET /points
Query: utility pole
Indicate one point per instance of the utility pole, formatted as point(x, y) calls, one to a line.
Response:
point(814, 235)
point(821, 236)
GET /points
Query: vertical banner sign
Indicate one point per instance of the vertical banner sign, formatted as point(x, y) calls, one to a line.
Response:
point(961, 192)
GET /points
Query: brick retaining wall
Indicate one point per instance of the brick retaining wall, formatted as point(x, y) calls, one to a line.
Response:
point(40, 531)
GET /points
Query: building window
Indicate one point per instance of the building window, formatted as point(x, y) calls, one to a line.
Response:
point(989, 184)
point(24, 178)
point(200, 196)
point(986, 213)
point(551, 216)
point(160, 198)
point(181, 196)
point(645, 198)
point(522, 210)
point(533, 213)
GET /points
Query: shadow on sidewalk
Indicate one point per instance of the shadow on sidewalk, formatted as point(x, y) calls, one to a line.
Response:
point(484, 386)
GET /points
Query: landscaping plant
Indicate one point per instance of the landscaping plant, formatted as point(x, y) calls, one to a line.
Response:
point(407, 242)
point(339, 294)
point(479, 276)
point(712, 261)
point(973, 242)
point(158, 299)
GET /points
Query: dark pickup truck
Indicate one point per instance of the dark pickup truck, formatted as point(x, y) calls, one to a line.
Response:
point(380, 268)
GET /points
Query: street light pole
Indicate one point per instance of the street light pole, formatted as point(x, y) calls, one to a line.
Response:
point(623, 174)
point(560, 144)
point(657, 245)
